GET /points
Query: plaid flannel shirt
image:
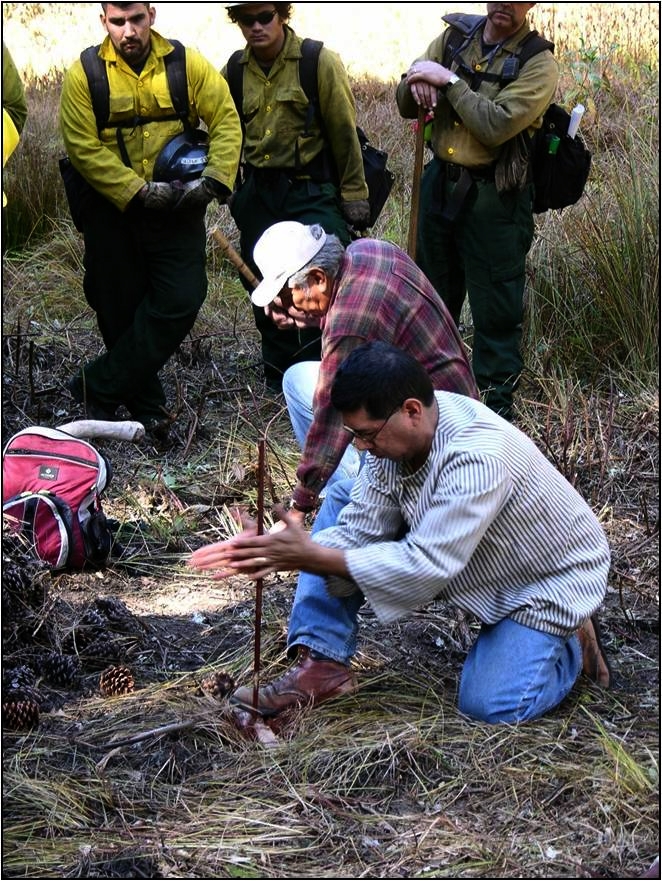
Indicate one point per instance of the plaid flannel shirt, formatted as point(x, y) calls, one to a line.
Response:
point(378, 294)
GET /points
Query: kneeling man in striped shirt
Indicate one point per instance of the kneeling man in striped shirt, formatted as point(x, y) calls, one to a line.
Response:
point(452, 502)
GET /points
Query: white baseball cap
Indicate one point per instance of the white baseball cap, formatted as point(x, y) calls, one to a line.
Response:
point(282, 250)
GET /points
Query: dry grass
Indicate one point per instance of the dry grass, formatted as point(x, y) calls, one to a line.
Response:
point(376, 41)
point(390, 783)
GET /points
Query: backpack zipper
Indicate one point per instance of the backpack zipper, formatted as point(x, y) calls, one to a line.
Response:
point(50, 455)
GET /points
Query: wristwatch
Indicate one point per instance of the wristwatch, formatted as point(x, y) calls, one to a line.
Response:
point(453, 78)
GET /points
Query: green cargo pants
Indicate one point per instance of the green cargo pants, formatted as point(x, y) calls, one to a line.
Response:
point(266, 198)
point(482, 253)
point(145, 278)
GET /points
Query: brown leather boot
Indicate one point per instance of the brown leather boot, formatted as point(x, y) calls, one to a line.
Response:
point(308, 683)
point(596, 666)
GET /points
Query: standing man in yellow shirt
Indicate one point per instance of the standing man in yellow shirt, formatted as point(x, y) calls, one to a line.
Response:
point(14, 111)
point(143, 218)
point(301, 161)
point(475, 222)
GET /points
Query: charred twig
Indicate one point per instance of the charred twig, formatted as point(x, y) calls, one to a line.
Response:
point(30, 370)
point(259, 583)
point(151, 732)
point(18, 347)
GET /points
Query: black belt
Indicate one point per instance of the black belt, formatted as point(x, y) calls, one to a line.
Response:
point(453, 172)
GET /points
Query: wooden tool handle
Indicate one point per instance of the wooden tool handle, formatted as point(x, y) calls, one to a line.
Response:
point(416, 184)
point(234, 257)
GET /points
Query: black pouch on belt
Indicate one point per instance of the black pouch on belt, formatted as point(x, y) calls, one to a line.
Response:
point(455, 200)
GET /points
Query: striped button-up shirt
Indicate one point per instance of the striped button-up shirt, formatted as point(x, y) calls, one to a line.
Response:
point(490, 525)
point(378, 294)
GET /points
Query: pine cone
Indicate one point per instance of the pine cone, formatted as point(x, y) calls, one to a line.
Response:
point(218, 685)
point(26, 693)
point(103, 651)
point(117, 613)
point(23, 574)
point(59, 669)
point(17, 715)
point(92, 626)
point(116, 680)
point(18, 677)
point(13, 576)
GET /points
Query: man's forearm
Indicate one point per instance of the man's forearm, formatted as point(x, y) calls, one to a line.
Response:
point(321, 560)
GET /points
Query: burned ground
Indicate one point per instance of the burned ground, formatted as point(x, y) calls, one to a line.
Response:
point(390, 782)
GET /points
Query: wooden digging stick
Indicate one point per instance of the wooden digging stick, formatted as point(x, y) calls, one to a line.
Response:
point(259, 582)
point(234, 257)
point(416, 184)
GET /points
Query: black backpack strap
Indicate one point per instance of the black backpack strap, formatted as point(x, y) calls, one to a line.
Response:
point(235, 72)
point(533, 44)
point(322, 167)
point(97, 80)
point(462, 28)
point(310, 55)
point(175, 65)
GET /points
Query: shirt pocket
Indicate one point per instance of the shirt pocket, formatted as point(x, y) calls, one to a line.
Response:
point(163, 100)
point(292, 109)
point(122, 108)
point(122, 112)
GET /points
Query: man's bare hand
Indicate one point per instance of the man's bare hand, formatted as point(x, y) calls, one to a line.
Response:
point(425, 78)
point(288, 549)
point(297, 516)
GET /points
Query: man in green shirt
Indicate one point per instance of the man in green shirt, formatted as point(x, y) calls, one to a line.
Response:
point(476, 208)
point(299, 163)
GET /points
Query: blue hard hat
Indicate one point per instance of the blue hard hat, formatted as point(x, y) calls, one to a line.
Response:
point(183, 158)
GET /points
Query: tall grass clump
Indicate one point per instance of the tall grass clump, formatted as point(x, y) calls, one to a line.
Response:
point(594, 293)
point(31, 179)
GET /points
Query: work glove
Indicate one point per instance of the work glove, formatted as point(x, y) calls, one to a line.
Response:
point(199, 193)
point(158, 196)
point(357, 214)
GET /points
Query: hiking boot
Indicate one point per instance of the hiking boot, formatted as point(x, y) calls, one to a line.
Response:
point(309, 683)
point(596, 666)
point(158, 429)
point(93, 409)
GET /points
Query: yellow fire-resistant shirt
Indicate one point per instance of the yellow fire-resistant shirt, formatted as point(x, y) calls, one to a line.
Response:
point(97, 156)
point(275, 110)
point(469, 128)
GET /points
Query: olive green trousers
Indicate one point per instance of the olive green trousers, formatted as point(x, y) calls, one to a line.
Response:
point(146, 280)
point(482, 254)
point(265, 199)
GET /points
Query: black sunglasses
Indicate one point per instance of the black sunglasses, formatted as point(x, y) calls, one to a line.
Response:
point(247, 20)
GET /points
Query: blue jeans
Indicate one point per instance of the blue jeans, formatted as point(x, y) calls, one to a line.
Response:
point(299, 385)
point(512, 673)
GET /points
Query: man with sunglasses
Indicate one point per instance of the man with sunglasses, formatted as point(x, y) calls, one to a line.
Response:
point(300, 161)
point(453, 502)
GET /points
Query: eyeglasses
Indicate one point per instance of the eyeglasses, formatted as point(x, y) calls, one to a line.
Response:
point(247, 20)
point(369, 436)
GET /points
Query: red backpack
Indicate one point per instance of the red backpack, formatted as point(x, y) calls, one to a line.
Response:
point(51, 492)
